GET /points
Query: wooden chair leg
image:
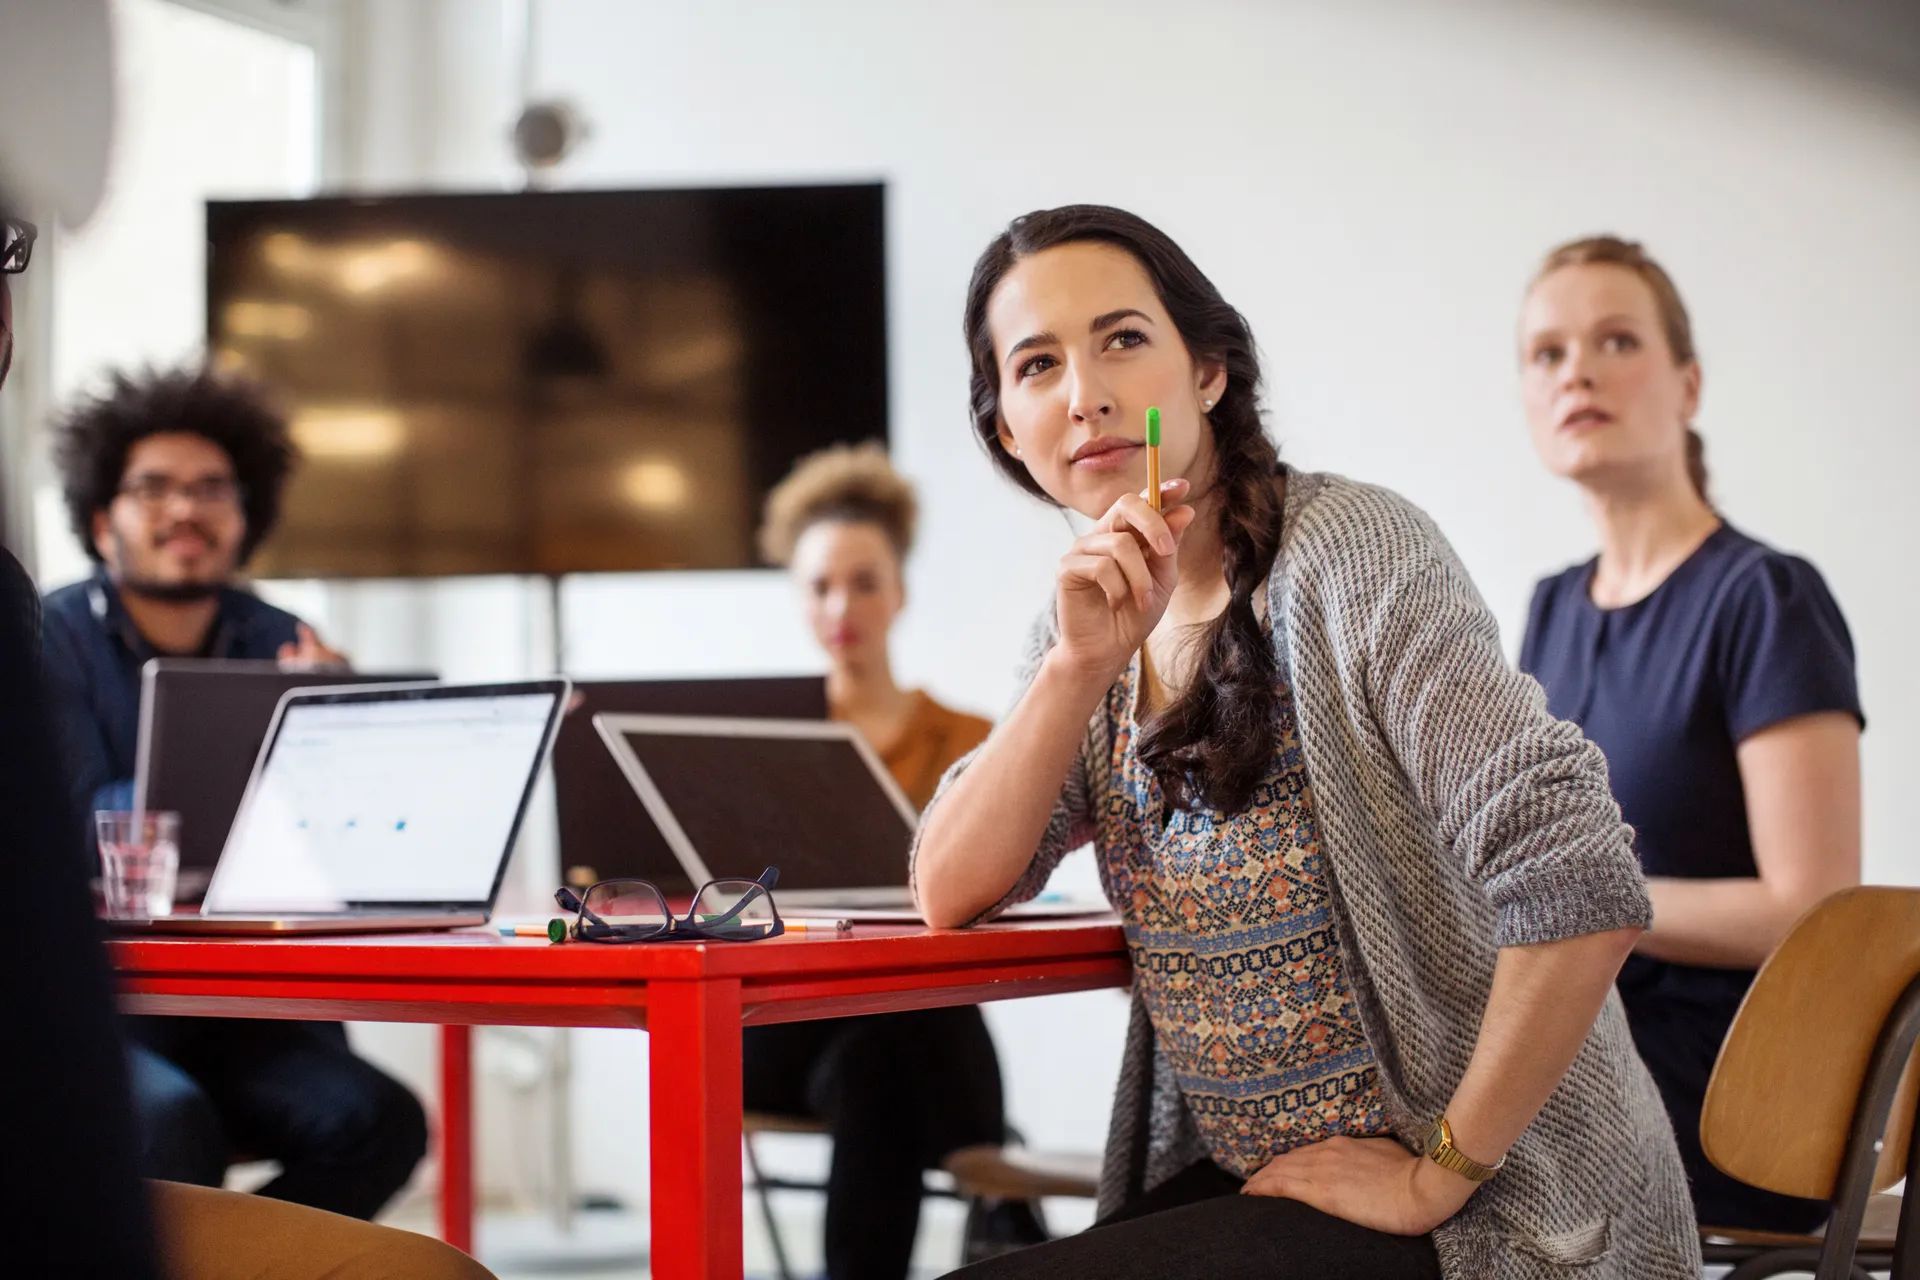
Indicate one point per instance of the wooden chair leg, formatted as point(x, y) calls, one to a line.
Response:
point(1780, 1262)
point(766, 1208)
point(1854, 1185)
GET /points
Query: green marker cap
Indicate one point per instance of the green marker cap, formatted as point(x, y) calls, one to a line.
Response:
point(1153, 425)
point(556, 930)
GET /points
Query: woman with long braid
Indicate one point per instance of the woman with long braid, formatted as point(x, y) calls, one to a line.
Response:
point(1375, 894)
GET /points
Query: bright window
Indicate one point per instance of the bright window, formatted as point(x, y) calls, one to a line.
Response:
point(210, 106)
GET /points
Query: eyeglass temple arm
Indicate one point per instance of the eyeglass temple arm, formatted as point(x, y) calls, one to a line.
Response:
point(17, 234)
point(571, 901)
point(768, 878)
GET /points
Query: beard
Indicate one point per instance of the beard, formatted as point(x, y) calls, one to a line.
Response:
point(134, 577)
point(170, 592)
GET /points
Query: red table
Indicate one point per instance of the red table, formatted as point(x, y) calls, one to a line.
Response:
point(692, 997)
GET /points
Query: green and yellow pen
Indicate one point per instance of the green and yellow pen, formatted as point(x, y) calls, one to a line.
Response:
point(1153, 456)
point(552, 930)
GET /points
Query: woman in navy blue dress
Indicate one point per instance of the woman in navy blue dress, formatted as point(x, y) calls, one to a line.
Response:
point(1715, 672)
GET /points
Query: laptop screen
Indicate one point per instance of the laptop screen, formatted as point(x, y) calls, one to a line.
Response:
point(809, 805)
point(407, 798)
point(605, 832)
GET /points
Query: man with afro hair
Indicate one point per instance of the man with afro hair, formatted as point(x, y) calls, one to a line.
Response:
point(172, 478)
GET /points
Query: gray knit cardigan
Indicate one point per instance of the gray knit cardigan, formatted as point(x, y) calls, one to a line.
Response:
point(1457, 817)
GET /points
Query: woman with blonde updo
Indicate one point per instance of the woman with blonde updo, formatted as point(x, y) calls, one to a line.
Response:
point(842, 524)
point(902, 1092)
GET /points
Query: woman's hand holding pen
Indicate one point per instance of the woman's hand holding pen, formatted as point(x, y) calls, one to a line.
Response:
point(1111, 591)
point(1115, 582)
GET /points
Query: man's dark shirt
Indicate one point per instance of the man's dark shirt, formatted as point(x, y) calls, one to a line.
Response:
point(93, 656)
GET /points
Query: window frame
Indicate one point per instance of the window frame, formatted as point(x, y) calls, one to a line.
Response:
point(26, 402)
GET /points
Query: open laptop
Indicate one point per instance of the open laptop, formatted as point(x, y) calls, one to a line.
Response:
point(377, 808)
point(605, 832)
point(730, 796)
point(201, 725)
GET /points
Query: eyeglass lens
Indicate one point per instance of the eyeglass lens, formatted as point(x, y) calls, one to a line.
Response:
point(736, 910)
point(631, 906)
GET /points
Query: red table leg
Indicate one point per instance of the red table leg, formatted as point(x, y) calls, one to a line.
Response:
point(456, 1136)
point(694, 1067)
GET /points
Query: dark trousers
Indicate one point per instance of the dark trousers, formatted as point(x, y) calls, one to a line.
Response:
point(346, 1135)
point(1197, 1224)
point(1679, 1039)
point(899, 1092)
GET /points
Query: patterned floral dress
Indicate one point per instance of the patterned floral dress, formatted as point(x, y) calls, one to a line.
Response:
point(1235, 955)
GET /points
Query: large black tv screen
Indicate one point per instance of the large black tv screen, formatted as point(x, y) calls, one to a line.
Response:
point(550, 382)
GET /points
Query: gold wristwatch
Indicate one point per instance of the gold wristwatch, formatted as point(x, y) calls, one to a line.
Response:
point(1441, 1151)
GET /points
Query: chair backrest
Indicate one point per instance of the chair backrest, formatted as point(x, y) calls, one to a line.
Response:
point(1780, 1106)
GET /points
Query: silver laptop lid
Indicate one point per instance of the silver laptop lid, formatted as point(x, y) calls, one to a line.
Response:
point(732, 795)
point(202, 721)
point(387, 796)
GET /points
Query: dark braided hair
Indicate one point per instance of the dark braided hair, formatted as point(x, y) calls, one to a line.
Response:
point(1214, 743)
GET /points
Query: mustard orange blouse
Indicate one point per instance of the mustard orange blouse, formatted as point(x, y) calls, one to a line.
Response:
point(934, 738)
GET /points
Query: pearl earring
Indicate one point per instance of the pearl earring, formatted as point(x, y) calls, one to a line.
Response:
point(1206, 404)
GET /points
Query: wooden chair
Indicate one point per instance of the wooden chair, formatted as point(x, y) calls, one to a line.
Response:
point(999, 1173)
point(979, 1175)
point(1813, 1093)
point(1016, 1173)
point(982, 1175)
point(763, 1184)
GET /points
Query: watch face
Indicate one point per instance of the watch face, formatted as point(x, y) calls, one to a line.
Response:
point(1433, 1139)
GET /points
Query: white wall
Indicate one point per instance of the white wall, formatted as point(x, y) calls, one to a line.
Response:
point(1371, 183)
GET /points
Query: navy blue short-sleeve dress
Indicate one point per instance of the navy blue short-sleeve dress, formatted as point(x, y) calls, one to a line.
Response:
point(1740, 637)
